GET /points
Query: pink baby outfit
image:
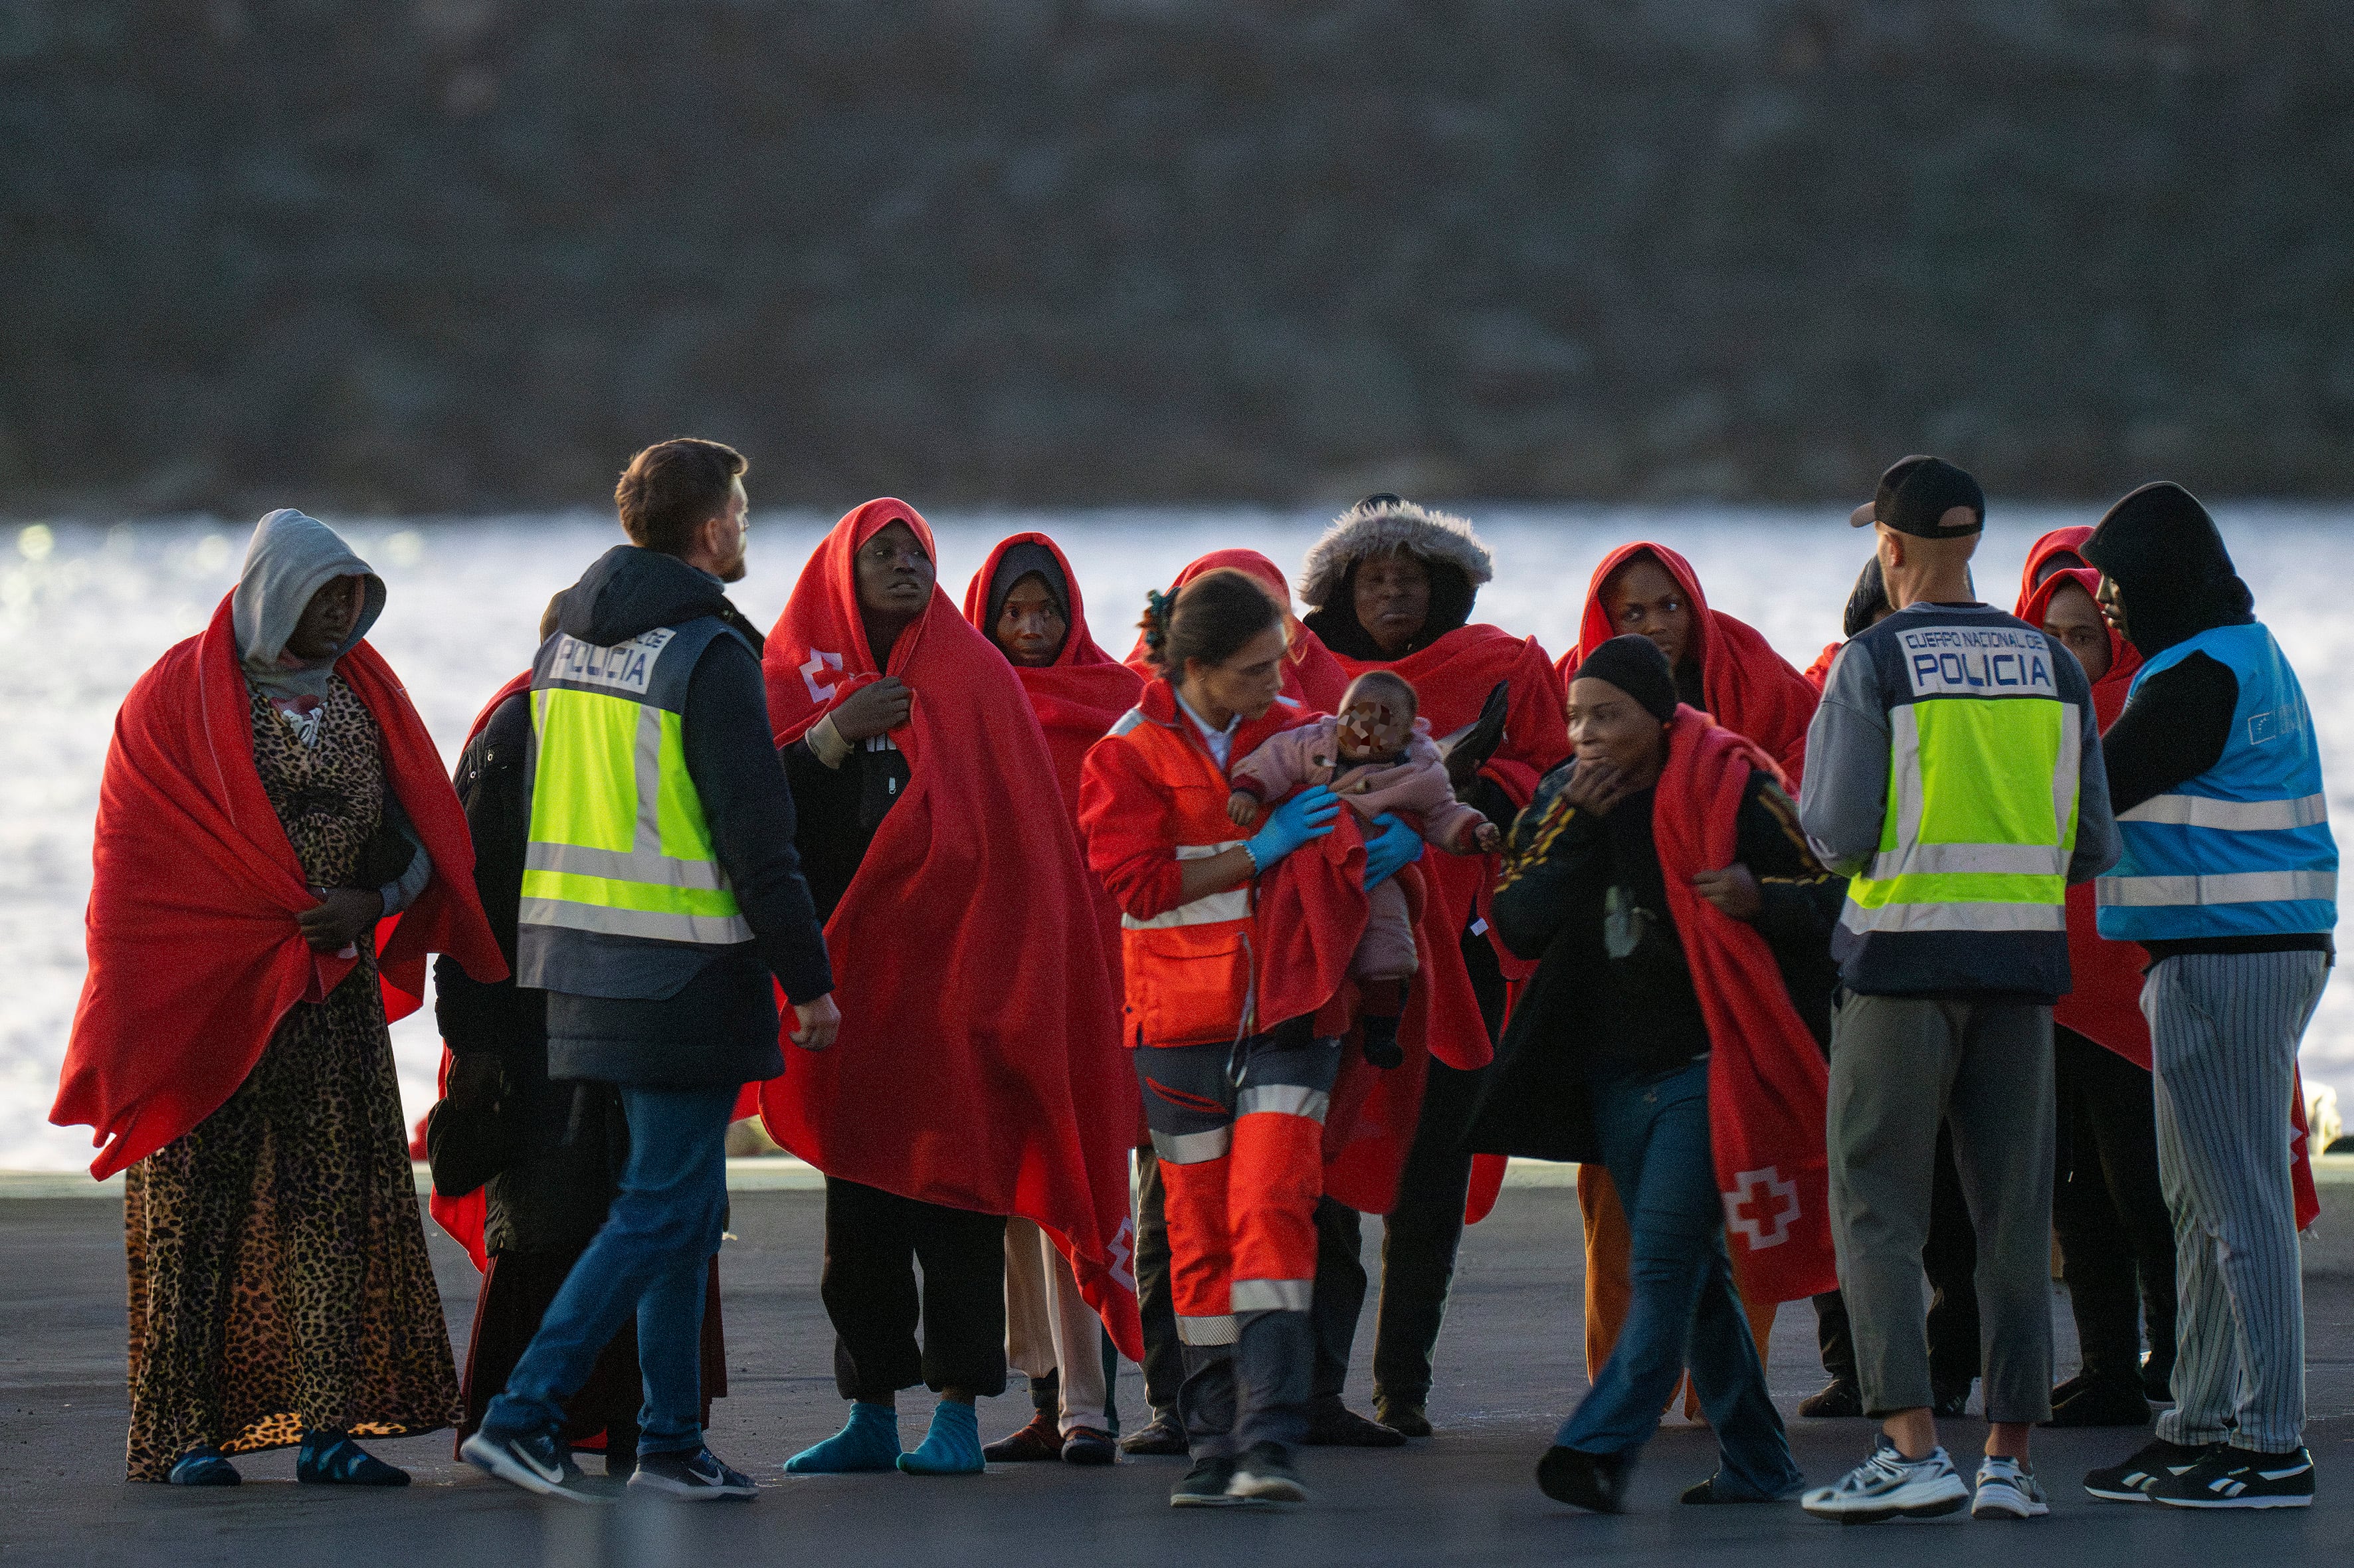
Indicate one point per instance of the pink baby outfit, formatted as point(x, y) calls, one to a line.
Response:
point(1416, 789)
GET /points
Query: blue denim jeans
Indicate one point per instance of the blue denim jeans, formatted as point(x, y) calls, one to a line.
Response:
point(649, 1259)
point(1654, 1140)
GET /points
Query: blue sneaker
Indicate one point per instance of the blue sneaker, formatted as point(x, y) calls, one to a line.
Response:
point(692, 1476)
point(538, 1462)
point(204, 1467)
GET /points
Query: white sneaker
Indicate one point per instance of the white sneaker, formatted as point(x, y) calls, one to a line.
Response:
point(2008, 1489)
point(1889, 1485)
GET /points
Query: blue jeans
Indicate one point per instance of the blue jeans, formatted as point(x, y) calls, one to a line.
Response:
point(649, 1259)
point(1654, 1140)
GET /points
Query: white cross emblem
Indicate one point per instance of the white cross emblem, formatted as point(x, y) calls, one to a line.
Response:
point(1762, 1202)
point(1122, 1248)
point(819, 663)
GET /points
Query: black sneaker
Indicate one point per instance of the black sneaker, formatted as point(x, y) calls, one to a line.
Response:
point(535, 1461)
point(1839, 1398)
point(1332, 1424)
point(1951, 1404)
point(2101, 1402)
point(1204, 1485)
point(2125, 1483)
point(2239, 1478)
point(1264, 1474)
point(692, 1476)
point(1406, 1417)
point(1596, 1482)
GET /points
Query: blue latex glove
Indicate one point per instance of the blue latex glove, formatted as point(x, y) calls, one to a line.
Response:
point(1396, 847)
point(1307, 815)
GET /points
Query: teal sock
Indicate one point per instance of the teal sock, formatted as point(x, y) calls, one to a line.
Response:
point(952, 1447)
point(869, 1440)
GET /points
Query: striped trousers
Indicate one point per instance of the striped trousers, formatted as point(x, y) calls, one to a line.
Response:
point(2224, 1030)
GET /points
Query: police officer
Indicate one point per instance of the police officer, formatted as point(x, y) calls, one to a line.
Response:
point(661, 894)
point(2230, 881)
point(1954, 773)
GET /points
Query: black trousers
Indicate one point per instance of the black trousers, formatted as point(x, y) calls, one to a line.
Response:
point(1420, 1236)
point(1164, 1357)
point(874, 1240)
point(1951, 1261)
point(2116, 1238)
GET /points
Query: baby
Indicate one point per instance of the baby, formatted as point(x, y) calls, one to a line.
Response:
point(1378, 757)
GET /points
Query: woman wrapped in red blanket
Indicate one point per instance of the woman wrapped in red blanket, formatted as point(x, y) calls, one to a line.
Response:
point(940, 852)
point(1674, 1029)
point(1026, 600)
point(1392, 586)
point(278, 851)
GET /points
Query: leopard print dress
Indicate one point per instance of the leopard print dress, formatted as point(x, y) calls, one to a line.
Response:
point(278, 1276)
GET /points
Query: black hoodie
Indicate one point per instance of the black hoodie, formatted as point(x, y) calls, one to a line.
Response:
point(2177, 580)
point(708, 1027)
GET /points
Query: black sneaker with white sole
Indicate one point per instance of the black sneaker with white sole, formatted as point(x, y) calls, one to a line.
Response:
point(1263, 1475)
point(536, 1461)
point(692, 1474)
point(2126, 1482)
point(2239, 1478)
point(1204, 1485)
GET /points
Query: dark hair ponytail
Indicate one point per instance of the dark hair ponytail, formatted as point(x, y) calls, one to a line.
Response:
point(1210, 619)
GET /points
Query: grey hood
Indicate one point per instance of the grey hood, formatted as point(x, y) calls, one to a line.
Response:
point(290, 557)
point(1459, 562)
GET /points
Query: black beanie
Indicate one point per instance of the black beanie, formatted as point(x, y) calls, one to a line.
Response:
point(2170, 567)
point(1635, 665)
point(1868, 601)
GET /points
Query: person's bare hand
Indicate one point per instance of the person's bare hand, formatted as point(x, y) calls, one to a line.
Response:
point(874, 709)
point(1595, 788)
point(1488, 838)
point(341, 914)
point(1242, 807)
point(1734, 890)
point(819, 1022)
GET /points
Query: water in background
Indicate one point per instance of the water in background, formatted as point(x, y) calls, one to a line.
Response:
point(84, 609)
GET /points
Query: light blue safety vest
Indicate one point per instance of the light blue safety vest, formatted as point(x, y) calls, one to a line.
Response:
point(2242, 850)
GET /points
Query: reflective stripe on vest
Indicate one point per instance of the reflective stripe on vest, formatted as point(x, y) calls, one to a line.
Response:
point(1233, 904)
point(618, 843)
point(1981, 818)
point(2243, 849)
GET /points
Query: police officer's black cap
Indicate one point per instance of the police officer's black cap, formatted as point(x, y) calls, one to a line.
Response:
point(1915, 494)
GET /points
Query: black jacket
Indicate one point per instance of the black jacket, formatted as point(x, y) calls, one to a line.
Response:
point(719, 1026)
point(551, 1153)
point(1613, 992)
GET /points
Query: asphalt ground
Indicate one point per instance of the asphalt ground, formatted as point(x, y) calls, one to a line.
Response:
point(1509, 1368)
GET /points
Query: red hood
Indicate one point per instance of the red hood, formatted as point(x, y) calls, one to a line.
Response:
point(1749, 688)
point(2125, 661)
point(2069, 541)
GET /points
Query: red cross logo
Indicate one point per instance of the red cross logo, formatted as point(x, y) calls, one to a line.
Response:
point(820, 692)
point(1762, 1207)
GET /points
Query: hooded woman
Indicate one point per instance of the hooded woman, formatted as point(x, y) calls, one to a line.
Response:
point(1312, 678)
point(1674, 1031)
point(2116, 1241)
point(1026, 600)
point(940, 850)
point(1723, 667)
point(1391, 585)
point(271, 802)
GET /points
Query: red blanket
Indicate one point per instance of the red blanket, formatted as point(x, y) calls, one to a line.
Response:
point(979, 1065)
point(1766, 1077)
point(1312, 677)
point(194, 956)
point(1749, 688)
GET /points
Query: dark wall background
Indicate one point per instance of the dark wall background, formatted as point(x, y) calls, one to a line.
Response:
point(449, 254)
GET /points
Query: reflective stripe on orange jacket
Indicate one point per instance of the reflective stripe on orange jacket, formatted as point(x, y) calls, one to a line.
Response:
point(1151, 797)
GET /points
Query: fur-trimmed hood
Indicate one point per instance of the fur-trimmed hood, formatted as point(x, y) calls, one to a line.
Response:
point(1459, 562)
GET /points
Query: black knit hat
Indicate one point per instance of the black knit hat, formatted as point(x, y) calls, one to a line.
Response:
point(1635, 665)
point(1868, 601)
point(1914, 495)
